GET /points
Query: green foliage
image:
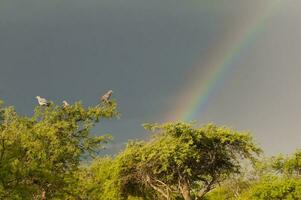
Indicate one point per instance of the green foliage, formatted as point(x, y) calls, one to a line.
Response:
point(273, 188)
point(233, 188)
point(40, 154)
point(98, 180)
point(288, 165)
point(181, 160)
point(102, 180)
point(276, 178)
point(54, 155)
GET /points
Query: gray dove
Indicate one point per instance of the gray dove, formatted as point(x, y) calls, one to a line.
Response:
point(42, 101)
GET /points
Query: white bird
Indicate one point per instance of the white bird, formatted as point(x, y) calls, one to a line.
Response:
point(65, 104)
point(42, 101)
point(106, 97)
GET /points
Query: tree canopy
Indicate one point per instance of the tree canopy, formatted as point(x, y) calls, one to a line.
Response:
point(54, 154)
point(180, 161)
point(39, 154)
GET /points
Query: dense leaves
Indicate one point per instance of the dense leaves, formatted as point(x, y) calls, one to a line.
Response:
point(181, 160)
point(54, 154)
point(277, 188)
point(288, 165)
point(39, 154)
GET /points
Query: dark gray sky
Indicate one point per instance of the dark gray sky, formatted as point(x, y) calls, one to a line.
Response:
point(144, 51)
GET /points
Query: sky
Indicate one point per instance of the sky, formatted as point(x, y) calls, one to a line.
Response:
point(234, 63)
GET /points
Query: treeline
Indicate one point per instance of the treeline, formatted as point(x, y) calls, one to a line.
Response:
point(53, 155)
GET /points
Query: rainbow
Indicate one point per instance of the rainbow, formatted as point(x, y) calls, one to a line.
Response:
point(195, 95)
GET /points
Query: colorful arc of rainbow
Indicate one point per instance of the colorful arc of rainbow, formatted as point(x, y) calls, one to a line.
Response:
point(196, 94)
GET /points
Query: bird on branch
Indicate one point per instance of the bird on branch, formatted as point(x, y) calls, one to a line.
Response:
point(106, 97)
point(65, 104)
point(42, 101)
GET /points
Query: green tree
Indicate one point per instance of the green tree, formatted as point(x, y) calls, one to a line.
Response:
point(281, 179)
point(277, 177)
point(181, 160)
point(237, 186)
point(39, 155)
point(98, 180)
point(101, 180)
point(287, 165)
point(274, 188)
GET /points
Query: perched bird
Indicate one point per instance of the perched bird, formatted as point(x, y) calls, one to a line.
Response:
point(65, 104)
point(106, 97)
point(42, 101)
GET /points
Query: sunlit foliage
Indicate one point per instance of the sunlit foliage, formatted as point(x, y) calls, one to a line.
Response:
point(54, 154)
point(40, 154)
